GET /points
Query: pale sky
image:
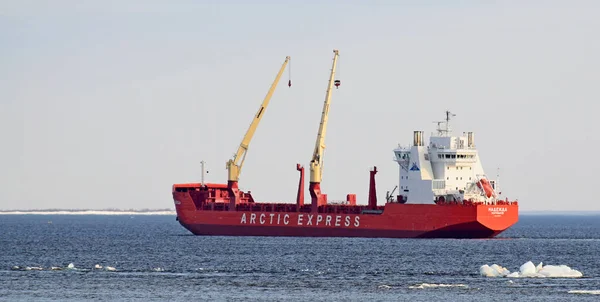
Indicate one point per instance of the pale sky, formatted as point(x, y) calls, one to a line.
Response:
point(106, 104)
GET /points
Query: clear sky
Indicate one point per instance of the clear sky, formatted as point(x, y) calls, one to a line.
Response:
point(106, 104)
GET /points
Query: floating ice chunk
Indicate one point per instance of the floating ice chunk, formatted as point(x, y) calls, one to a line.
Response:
point(529, 270)
point(589, 292)
point(110, 268)
point(560, 271)
point(429, 285)
point(501, 270)
point(486, 271)
point(98, 266)
point(71, 266)
point(33, 268)
point(493, 271)
point(539, 267)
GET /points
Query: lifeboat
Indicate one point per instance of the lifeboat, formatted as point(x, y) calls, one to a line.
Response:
point(485, 185)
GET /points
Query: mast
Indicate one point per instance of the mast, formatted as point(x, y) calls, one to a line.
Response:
point(316, 163)
point(202, 178)
point(446, 130)
point(448, 115)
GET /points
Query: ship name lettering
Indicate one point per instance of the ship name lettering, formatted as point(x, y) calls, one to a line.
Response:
point(303, 219)
point(497, 211)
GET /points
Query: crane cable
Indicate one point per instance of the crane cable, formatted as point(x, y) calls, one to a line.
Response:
point(337, 74)
point(290, 73)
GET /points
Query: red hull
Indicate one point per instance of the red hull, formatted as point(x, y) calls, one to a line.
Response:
point(461, 231)
point(202, 216)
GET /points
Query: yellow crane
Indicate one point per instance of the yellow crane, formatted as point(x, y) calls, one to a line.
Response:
point(234, 165)
point(316, 163)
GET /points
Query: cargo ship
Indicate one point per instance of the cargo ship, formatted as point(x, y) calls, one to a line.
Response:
point(443, 193)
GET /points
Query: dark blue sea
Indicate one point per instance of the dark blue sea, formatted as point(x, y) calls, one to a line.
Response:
point(155, 259)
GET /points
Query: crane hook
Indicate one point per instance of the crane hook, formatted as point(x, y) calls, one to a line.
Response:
point(290, 74)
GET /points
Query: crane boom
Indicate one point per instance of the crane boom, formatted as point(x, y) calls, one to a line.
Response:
point(316, 164)
point(234, 165)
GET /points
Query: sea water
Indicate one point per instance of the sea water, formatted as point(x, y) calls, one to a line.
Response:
point(153, 258)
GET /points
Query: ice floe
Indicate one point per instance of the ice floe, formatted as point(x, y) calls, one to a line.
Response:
point(585, 292)
point(429, 285)
point(529, 270)
point(70, 266)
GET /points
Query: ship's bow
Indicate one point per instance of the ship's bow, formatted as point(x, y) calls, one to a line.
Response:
point(184, 204)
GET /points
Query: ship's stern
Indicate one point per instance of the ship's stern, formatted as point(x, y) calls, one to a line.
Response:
point(498, 217)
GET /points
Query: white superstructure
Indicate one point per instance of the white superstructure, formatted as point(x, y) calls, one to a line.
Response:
point(448, 169)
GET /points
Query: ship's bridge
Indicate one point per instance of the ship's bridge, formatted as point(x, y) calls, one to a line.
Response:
point(448, 167)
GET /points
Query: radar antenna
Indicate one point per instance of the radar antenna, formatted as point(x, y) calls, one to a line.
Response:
point(439, 129)
point(447, 129)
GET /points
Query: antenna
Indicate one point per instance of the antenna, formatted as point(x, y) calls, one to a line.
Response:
point(202, 178)
point(498, 181)
point(448, 115)
point(439, 127)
